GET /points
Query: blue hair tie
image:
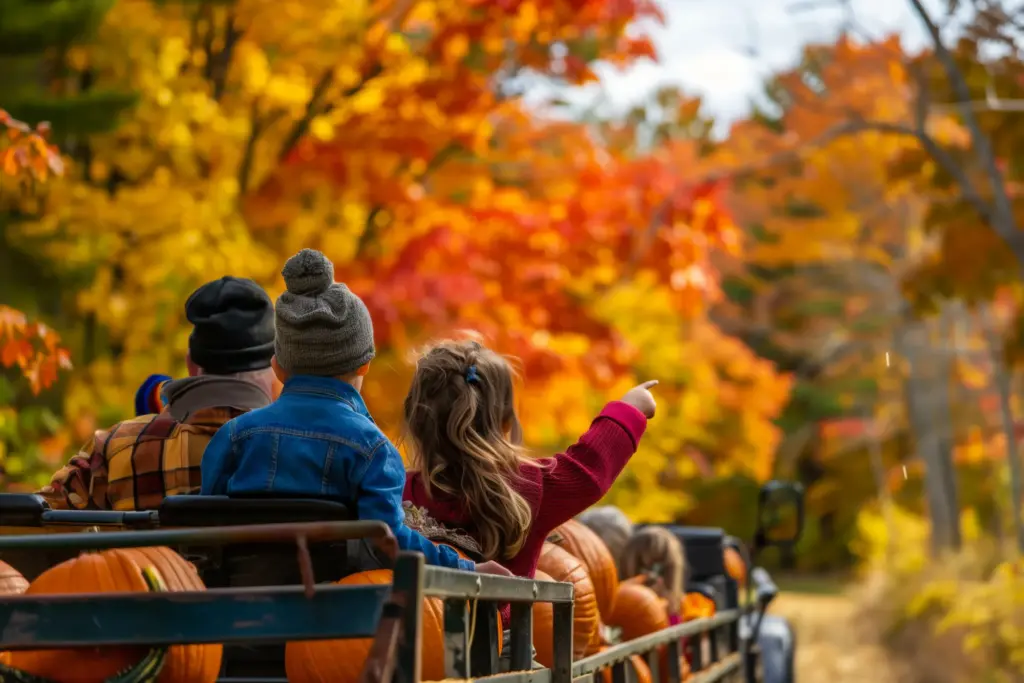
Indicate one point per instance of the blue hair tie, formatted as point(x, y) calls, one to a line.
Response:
point(471, 376)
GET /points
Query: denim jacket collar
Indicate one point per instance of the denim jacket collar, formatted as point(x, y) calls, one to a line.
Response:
point(328, 387)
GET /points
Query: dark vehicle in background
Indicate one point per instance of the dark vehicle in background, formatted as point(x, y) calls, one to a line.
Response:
point(768, 639)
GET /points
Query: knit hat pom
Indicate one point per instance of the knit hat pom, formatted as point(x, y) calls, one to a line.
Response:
point(308, 273)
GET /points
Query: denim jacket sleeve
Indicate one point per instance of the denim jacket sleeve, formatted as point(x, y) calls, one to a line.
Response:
point(380, 498)
point(216, 464)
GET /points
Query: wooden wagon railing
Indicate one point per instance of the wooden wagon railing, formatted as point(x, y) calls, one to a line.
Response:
point(391, 615)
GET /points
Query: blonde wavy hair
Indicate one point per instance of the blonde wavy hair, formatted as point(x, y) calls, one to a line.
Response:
point(656, 553)
point(463, 435)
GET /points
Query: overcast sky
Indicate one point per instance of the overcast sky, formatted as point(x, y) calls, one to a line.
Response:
point(723, 49)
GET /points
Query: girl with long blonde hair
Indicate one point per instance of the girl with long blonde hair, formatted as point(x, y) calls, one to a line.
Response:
point(655, 556)
point(470, 471)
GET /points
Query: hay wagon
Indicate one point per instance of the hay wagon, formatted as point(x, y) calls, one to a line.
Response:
point(269, 566)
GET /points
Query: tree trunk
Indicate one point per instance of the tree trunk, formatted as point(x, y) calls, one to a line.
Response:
point(942, 414)
point(1002, 383)
point(927, 395)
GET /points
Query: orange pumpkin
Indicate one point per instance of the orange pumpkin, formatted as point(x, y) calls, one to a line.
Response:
point(638, 611)
point(639, 580)
point(341, 661)
point(11, 583)
point(579, 540)
point(11, 580)
point(734, 565)
point(561, 565)
point(117, 571)
point(696, 606)
point(543, 642)
point(641, 672)
point(543, 627)
point(598, 641)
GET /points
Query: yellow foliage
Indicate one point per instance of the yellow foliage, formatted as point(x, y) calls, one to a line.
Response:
point(966, 595)
point(716, 403)
point(229, 162)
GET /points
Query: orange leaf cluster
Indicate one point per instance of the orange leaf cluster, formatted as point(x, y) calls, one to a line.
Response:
point(25, 151)
point(482, 214)
point(31, 347)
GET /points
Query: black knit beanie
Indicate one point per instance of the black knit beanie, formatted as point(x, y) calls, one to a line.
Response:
point(233, 326)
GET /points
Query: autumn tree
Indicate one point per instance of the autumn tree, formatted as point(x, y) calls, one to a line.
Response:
point(722, 399)
point(30, 352)
point(832, 241)
point(961, 166)
point(26, 159)
point(391, 135)
point(542, 240)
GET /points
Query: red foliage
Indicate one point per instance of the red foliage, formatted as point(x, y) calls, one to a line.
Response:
point(31, 347)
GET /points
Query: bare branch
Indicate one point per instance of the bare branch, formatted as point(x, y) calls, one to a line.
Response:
point(1000, 216)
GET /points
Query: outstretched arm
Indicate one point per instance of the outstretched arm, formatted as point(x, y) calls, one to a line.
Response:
point(582, 475)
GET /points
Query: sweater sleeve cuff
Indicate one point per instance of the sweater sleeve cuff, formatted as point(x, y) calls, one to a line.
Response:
point(467, 565)
point(627, 417)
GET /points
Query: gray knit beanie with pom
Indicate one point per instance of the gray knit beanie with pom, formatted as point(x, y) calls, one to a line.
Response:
point(322, 328)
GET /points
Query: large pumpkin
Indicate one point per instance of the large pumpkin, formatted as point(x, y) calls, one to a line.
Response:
point(638, 611)
point(597, 642)
point(342, 660)
point(560, 565)
point(639, 579)
point(579, 540)
point(118, 571)
point(543, 620)
point(11, 583)
point(696, 606)
point(543, 627)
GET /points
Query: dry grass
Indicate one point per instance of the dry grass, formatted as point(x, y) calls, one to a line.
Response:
point(832, 644)
point(913, 647)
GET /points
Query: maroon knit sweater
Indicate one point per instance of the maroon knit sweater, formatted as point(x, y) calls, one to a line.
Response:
point(575, 480)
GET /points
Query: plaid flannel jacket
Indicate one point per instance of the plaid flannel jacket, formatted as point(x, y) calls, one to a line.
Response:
point(138, 462)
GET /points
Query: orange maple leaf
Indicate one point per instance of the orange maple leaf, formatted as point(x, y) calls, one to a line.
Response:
point(31, 347)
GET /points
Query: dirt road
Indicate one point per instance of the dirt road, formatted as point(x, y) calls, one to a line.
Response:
point(830, 646)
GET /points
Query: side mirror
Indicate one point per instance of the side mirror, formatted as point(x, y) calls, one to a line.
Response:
point(765, 589)
point(780, 514)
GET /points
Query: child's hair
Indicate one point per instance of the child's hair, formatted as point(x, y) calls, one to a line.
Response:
point(657, 553)
point(612, 526)
point(465, 439)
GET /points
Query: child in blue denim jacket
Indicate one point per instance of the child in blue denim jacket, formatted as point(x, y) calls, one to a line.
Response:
point(318, 438)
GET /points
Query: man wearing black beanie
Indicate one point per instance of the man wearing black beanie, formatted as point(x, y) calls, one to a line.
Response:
point(136, 463)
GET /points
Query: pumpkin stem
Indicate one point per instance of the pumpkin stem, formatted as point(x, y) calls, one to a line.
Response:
point(145, 671)
point(149, 668)
point(12, 675)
